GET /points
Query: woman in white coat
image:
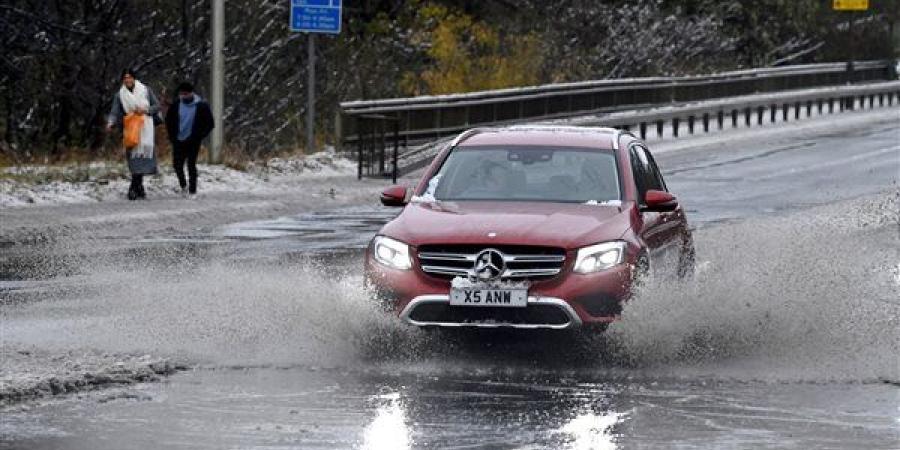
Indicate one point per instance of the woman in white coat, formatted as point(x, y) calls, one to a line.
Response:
point(133, 97)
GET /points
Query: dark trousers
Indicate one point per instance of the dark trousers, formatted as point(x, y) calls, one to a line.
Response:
point(186, 151)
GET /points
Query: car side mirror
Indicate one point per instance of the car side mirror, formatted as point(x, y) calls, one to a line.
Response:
point(394, 196)
point(659, 201)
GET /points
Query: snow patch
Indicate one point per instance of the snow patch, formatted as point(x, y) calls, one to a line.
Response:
point(104, 181)
point(30, 374)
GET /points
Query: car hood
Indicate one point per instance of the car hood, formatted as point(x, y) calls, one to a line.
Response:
point(566, 225)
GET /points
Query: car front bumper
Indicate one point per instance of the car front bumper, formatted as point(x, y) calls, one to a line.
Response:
point(567, 301)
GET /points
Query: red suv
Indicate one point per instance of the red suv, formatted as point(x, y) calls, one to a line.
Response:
point(528, 227)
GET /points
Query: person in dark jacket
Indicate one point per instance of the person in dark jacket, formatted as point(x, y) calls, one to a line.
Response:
point(133, 97)
point(188, 121)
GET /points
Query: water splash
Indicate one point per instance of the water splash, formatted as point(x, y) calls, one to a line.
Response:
point(804, 296)
point(808, 296)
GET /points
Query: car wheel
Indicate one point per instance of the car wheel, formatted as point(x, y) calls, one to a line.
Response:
point(687, 261)
point(641, 272)
point(594, 328)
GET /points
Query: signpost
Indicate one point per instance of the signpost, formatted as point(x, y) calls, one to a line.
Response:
point(850, 5)
point(314, 16)
point(217, 77)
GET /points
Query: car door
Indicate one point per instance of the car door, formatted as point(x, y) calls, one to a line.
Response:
point(660, 230)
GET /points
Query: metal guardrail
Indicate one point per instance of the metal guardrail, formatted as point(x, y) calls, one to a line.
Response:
point(749, 110)
point(418, 120)
point(373, 146)
point(840, 98)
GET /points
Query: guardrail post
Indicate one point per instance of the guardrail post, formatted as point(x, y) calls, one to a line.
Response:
point(720, 118)
point(437, 122)
point(747, 113)
point(675, 127)
point(734, 118)
point(659, 128)
point(643, 128)
point(359, 148)
point(691, 124)
point(797, 111)
point(396, 150)
point(760, 110)
point(382, 150)
point(706, 122)
point(773, 111)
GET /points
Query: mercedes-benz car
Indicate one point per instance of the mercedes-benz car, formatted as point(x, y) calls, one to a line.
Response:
point(532, 227)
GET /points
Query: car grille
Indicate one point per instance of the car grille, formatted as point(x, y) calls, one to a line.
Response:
point(522, 262)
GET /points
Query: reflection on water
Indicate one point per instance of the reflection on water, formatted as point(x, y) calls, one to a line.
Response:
point(393, 428)
point(389, 429)
point(592, 431)
point(347, 227)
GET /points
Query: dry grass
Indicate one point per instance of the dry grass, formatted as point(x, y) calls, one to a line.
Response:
point(111, 152)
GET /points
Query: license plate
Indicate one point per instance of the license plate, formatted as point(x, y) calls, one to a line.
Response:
point(515, 298)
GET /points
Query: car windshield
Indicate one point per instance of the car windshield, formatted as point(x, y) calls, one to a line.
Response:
point(526, 173)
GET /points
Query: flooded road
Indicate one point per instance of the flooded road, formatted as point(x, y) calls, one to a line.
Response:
point(326, 408)
point(787, 337)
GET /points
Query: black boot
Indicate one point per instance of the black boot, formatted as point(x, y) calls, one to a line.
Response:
point(136, 188)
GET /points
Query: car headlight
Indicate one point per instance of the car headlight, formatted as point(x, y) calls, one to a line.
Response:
point(391, 253)
point(600, 257)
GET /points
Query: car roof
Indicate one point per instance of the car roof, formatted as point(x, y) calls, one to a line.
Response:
point(542, 135)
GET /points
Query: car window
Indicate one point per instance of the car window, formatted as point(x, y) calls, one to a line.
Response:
point(657, 174)
point(640, 171)
point(527, 173)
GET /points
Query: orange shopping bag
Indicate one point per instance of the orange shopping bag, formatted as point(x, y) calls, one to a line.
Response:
point(131, 129)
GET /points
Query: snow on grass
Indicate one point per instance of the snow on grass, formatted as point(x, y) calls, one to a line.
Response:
point(104, 181)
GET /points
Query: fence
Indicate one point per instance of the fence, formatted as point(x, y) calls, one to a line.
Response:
point(420, 120)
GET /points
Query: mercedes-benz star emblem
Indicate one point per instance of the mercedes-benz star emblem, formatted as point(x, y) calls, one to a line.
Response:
point(489, 265)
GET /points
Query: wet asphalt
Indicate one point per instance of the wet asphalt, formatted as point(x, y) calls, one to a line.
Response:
point(283, 351)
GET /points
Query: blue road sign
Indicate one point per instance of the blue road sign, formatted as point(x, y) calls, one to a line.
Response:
point(316, 16)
